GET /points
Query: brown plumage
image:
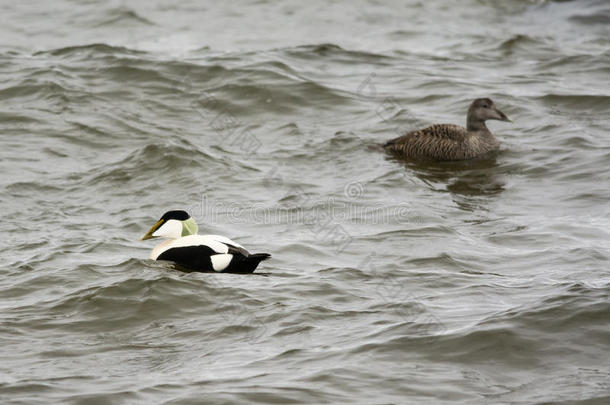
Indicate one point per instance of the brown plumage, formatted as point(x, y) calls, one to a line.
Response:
point(452, 142)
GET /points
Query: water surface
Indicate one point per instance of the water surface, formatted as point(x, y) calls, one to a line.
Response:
point(391, 282)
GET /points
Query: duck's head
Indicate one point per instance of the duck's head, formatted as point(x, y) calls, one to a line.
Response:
point(173, 224)
point(481, 110)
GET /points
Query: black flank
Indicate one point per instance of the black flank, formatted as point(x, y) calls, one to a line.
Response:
point(197, 258)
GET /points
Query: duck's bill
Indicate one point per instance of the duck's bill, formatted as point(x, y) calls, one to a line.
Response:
point(501, 116)
point(149, 234)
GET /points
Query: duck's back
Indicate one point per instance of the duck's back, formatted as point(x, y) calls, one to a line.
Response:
point(437, 142)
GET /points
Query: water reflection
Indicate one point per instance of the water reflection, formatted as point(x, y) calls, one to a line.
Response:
point(475, 177)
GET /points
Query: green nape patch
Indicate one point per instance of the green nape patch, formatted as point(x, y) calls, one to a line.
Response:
point(189, 227)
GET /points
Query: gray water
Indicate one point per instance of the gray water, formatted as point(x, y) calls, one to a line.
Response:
point(391, 282)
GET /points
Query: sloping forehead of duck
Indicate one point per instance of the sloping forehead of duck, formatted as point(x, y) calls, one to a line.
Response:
point(171, 229)
point(177, 214)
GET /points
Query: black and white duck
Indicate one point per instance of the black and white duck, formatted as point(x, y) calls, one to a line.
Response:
point(199, 252)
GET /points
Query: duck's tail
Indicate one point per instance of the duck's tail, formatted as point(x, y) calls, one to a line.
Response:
point(259, 257)
point(249, 263)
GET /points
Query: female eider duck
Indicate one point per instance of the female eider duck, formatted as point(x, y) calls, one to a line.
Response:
point(452, 142)
point(199, 252)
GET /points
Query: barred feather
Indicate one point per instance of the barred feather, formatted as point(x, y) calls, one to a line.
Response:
point(443, 142)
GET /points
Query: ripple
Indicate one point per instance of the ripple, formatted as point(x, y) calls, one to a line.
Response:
point(464, 282)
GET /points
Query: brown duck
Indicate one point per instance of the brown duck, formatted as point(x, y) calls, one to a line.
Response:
point(452, 142)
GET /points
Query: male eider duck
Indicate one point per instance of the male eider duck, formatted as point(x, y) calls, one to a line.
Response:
point(452, 142)
point(199, 252)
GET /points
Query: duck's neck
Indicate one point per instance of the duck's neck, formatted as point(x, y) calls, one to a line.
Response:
point(475, 125)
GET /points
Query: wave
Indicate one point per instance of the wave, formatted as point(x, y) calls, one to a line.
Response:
point(121, 16)
point(158, 159)
point(577, 102)
point(89, 50)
